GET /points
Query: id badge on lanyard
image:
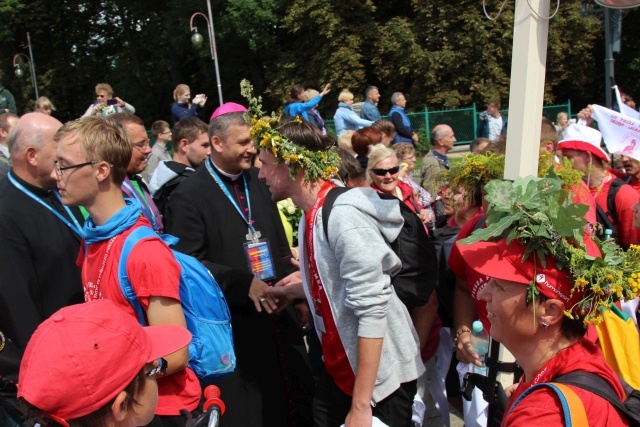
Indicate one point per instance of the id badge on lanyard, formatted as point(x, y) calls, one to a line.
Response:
point(259, 259)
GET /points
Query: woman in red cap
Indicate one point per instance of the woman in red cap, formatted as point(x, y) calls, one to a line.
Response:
point(544, 290)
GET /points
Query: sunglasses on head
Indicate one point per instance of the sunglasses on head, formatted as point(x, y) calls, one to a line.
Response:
point(382, 172)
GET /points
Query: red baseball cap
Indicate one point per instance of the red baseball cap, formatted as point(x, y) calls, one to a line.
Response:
point(81, 357)
point(504, 261)
point(226, 108)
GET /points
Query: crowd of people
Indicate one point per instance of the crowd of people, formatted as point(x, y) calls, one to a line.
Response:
point(320, 335)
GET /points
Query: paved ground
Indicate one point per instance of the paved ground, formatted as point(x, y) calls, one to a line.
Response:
point(433, 418)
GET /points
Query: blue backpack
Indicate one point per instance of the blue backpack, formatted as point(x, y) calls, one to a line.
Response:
point(211, 353)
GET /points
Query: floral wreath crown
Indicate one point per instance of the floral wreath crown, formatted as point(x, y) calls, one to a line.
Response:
point(264, 130)
point(539, 213)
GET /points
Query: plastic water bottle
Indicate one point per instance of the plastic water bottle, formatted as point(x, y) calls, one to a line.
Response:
point(480, 342)
point(608, 233)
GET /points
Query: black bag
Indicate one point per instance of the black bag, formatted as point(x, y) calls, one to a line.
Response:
point(609, 219)
point(600, 387)
point(419, 274)
point(10, 357)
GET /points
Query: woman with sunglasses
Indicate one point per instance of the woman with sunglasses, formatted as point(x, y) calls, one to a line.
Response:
point(383, 175)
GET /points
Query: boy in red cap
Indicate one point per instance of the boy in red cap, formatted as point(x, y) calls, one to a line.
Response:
point(92, 364)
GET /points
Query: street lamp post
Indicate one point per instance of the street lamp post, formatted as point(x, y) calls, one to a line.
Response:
point(18, 70)
point(196, 39)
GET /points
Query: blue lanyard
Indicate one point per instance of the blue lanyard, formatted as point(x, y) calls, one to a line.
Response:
point(145, 206)
point(224, 189)
point(75, 227)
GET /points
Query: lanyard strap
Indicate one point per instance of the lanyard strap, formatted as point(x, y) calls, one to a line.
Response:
point(224, 189)
point(148, 212)
point(75, 227)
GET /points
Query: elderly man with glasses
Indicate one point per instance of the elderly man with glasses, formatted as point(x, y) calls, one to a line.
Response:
point(134, 186)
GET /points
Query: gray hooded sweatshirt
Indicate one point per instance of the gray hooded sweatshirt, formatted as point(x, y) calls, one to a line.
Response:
point(354, 266)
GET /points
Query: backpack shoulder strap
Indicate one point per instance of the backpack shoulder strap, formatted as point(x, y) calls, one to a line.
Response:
point(573, 410)
point(332, 195)
point(611, 198)
point(598, 386)
point(136, 236)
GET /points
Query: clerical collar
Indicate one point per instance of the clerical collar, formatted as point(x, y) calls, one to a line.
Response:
point(232, 177)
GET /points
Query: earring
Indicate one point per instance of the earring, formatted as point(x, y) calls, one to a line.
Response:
point(544, 325)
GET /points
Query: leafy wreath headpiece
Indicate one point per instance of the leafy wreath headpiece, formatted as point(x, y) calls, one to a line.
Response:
point(264, 130)
point(539, 213)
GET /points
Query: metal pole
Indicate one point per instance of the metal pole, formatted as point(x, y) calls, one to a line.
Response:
point(608, 57)
point(32, 66)
point(212, 41)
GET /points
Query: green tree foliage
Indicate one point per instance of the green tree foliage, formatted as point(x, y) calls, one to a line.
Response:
point(440, 54)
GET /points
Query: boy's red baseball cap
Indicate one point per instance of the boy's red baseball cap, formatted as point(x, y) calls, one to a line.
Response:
point(504, 261)
point(81, 357)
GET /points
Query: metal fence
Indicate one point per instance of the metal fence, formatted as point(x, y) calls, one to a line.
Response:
point(463, 121)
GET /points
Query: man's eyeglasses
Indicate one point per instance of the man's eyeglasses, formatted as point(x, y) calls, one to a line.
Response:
point(141, 145)
point(59, 169)
point(382, 172)
point(160, 370)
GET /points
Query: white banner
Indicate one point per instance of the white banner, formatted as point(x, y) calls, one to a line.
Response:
point(621, 133)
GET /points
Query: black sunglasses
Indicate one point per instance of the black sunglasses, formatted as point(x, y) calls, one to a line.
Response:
point(382, 172)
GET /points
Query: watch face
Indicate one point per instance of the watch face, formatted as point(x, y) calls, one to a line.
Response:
point(2, 341)
point(618, 4)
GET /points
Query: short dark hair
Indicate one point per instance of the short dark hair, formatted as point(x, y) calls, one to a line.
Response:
point(158, 127)
point(189, 129)
point(385, 126)
point(548, 132)
point(349, 168)
point(304, 134)
point(294, 93)
point(368, 90)
point(126, 118)
point(4, 120)
point(494, 103)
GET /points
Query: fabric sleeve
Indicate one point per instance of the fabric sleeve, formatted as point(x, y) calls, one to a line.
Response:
point(353, 119)
point(20, 308)
point(187, 223)
point(368, 288)
point(153, 271)
point(298, 107)
point(625, 199)
point(88, 112)
point(128, 108)
point(401, 129)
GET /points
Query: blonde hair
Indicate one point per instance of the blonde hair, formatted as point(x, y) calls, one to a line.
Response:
point(179, 90)
point(344, 141)
point(309, 94)
point(345, 96)
point(105, 87)
point(44, 103)
point(102, 139)
point(378, 153)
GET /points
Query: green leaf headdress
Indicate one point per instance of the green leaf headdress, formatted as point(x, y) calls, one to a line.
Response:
point(264, 131)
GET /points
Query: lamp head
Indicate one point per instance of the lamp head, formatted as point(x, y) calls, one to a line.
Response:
point(18, 71)
point(196, 38)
